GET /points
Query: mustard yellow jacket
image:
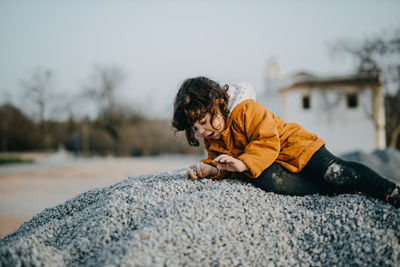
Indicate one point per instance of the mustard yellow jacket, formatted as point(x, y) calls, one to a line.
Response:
point(257, 137)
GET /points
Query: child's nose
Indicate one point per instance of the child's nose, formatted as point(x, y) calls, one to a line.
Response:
point(201, 131)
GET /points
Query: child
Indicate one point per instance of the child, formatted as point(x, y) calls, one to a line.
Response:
point(245, 140)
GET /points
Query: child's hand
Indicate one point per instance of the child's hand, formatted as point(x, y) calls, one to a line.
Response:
point(201, 170)
point(231, 164)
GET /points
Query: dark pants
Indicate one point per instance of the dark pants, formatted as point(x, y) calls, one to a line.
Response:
point(324, 174)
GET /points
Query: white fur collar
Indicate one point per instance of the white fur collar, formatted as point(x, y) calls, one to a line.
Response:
point(238, 92)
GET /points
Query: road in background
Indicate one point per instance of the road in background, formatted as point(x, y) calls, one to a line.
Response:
point(26, 189)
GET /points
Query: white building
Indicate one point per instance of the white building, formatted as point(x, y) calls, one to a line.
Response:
point(346, 111)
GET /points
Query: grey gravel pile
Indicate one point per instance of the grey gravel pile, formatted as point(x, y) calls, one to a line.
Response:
point(165, 219)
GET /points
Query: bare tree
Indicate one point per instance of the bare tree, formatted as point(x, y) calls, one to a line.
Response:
point(104, 83)
point(38, 91)
point(380, 54)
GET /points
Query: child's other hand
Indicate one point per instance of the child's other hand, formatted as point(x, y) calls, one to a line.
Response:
point(201, 170)
point(231, 164)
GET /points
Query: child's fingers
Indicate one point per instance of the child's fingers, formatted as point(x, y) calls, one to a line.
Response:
point(224, 167)
point(228, 166)
point(190, 174)
point(224, 163)
point(200, 168)
point(218, 159)
point(221, 166)
point(193, 175)
point(199, 171)
point(224, 158)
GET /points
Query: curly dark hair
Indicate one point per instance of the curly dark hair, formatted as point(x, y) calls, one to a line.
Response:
point(197, 97)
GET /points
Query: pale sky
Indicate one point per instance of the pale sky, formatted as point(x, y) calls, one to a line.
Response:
point(158, 44)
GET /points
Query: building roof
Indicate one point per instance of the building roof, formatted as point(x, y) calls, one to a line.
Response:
point(301, 80)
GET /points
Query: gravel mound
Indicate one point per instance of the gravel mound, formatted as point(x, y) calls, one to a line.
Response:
point(165, 219)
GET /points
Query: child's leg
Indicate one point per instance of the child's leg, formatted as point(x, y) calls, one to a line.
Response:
point(281, 181)
point(349, 177)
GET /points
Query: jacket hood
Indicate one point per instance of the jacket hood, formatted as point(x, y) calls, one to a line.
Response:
point(239, 92)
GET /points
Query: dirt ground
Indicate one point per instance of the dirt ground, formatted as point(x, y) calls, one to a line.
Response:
point(26, 191)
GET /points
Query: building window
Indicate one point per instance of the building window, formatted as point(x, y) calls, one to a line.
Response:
point(352, 100)
point(306, 102)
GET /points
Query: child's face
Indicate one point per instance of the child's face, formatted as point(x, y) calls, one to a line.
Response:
point(211, 130)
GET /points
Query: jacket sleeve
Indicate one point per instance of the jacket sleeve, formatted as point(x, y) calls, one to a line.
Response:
point(263, 138)
point(211, 156)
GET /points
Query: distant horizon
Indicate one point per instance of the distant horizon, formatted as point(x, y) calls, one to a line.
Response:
point(159, 44)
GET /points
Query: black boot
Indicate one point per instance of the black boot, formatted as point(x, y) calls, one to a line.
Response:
point(393, 196)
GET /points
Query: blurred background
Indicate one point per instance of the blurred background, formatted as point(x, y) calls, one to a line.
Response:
point(87, 87)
